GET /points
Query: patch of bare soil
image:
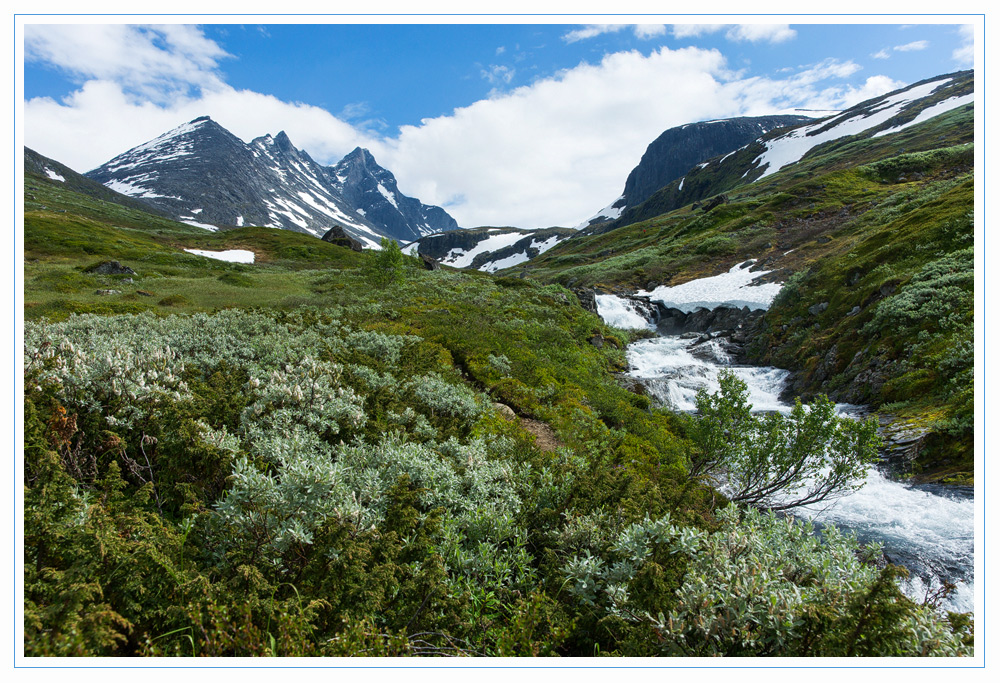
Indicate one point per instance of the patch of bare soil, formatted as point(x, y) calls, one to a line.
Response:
point(545, 437)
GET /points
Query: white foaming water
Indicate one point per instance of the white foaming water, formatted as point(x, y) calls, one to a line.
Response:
point(674, 375)
point(621, 313)
point(928, 530)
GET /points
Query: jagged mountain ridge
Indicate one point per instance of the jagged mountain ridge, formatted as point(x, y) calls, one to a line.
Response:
point(202, 174)
point(373, 190)
point(678, 149)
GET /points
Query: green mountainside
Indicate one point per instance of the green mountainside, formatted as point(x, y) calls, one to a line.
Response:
point(876, 232)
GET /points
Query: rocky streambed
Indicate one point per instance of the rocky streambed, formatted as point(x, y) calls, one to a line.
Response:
point(926, 528)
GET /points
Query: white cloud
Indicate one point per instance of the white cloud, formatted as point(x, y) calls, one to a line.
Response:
point(912, 47)
point(100, 121)
point(881, 54)
point(554, 152)
point(641, 31)
point(646, 31)
point(154, 62)
point(695, 30)
point(754, 33)
point(964, 53)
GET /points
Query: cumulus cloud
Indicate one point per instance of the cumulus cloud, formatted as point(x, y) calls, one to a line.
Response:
point(964, 53)
point(642, 31)
point(912, 47)
point(549, 153)
point(154, 62)
point(556, 151)
point(881, 54)
point(754, 33)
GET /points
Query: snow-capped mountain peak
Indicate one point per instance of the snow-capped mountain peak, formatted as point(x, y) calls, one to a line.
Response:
point(204, 175)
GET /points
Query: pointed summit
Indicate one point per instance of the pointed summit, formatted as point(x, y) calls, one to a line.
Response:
point(202, 174)
point(373, 190)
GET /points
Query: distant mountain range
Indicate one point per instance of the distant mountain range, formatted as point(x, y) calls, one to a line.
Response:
point(202, 174)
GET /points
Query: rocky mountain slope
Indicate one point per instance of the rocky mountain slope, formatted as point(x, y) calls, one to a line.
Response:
point(875, 118)
point(488, 249)
point(678, 149)
point(372, 190)
point(203, 175)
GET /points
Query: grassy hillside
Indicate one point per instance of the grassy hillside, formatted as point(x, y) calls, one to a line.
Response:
point(322, 454)
point(880, 230)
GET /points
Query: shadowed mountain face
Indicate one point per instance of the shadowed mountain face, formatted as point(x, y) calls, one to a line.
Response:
point(372, 189)
point(202, 174)
point(679, 149)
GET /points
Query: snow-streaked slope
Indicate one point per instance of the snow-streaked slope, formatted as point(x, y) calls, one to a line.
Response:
point(791, 147)
point(608, 213)
point(462, 258)
point(540, 247)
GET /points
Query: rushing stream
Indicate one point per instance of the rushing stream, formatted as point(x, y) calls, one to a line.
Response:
point(927, 529)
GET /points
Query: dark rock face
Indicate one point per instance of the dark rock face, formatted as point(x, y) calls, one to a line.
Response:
point(677, 150)
point(724, 318)
point(203, 174)
point(680, 149)
point(372, 190)
point(588, 299)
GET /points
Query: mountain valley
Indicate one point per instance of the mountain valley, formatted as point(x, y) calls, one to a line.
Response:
point(245, 435)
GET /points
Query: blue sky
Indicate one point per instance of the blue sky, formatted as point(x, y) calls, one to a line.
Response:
point(503, 124)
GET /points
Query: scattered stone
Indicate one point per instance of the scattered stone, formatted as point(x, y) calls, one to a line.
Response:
point(142, 292)
point(110, 268)
point(505, 411)
point(337, 235)
point(597, 341)
point(855, 311)
point(107, 292)
point(429, 263)
point(816, 309)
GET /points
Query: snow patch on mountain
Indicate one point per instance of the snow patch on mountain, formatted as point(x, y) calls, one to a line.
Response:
point(733, 288)
point(791, 147)
point(54, 176)
point(205, 226)
point(608, 213)
point(521, 257)
point(231, 255)
point(389, 196)
point(930, 112)
point(460, 258)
